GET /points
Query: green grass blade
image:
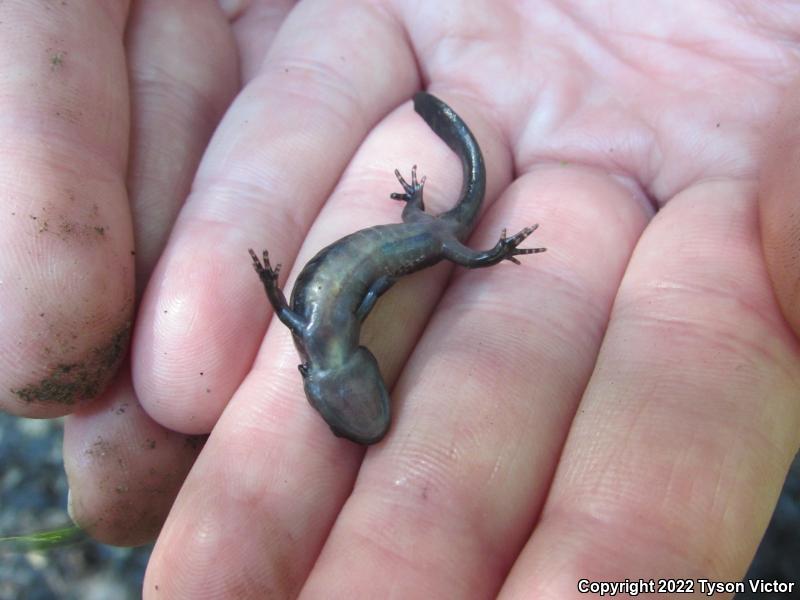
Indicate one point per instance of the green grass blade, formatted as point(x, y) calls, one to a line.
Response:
point(43, 540)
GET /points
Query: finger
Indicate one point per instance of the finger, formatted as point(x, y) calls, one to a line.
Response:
point(66, 270)
point(183, 74)
point(272, 163)
point(485, 401)
point(124, 470)
point(686, 431)
point(254, 25)
point(779, 194)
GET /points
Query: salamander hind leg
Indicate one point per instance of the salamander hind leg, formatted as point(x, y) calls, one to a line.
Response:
point(507, 246)
point(505, 249)
point(269, 278)
point(378, 287)
point(412, 193)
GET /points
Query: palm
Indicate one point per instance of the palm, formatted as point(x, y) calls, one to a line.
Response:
point(602, 405)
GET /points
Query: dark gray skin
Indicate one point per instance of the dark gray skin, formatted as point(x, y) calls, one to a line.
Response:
point(339, 286)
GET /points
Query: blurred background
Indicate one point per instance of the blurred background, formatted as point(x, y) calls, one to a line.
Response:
point(33, 497)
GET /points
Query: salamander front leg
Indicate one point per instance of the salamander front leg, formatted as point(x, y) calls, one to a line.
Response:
point(412, 195)
point(269, 277)
point(505, 249)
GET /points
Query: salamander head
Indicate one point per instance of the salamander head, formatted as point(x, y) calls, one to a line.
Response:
point(352, 397)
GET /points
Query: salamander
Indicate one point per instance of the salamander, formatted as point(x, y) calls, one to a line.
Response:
point(339, 286)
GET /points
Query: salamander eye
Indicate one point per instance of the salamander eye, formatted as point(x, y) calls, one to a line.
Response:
point(303, 368)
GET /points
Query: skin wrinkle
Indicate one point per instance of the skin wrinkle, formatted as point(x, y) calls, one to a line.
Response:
point(326, 83)
point(398, 557)
point(587, 28)
point(562, 331)
point(604, 476)
point(718, 497)
point(730, 521)
point(674, 483)
point(162, 80)
point(772, 463)
point(643, 180)
point(249, 491)
point(732, 528)
point(276, 419)
point(490, 304)
point(58, 157)
point(636, 532)
point(184, 99)
point(65, 140)
point(335, 85)
point(732, 340)
point(696, 51)
point(593, 156)
point(594, 551)
point(499, 475)
point(399, 541)
point(254, 199)
point(783, 26)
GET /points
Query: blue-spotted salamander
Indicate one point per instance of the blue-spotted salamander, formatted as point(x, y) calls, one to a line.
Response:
point(338, 288)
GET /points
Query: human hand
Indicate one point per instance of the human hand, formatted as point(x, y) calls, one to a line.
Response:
point(73, 88)
point(537, 428)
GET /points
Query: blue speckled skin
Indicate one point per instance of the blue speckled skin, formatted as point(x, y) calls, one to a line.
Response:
point(339, 286)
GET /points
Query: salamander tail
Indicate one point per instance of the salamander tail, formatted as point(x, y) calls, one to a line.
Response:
point(454, 132)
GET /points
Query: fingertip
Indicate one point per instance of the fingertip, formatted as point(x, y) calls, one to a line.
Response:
point(124, 470)
point(57, 387)
point(66, 270)
point(200, 323)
